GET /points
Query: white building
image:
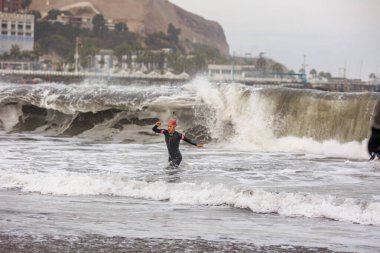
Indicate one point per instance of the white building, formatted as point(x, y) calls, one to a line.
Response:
point(229, 72)
point(77, 21)
point(105, 60)
point(16, 29)
point(247, 73)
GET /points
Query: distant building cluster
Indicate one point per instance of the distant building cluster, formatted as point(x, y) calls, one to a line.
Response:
point(84, 22)
point(11, 6)
point(105, 60)
point(247, 73)
point(230, 72)
point(16, 29)
point(77, 21)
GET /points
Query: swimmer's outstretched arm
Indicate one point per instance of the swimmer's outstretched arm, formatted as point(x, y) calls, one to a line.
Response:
point(156, 128)
point(191, 142)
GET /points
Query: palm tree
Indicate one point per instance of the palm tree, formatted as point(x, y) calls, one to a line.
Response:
point(261, 62)
point(321, 74)
point(15, 52)
point(25, 4)
point(99, 24)
point(277, 69)
point(121, 27)
point(313, 73)
point(372, 76)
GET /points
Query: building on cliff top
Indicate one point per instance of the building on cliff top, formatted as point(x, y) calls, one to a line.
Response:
point(11, 6)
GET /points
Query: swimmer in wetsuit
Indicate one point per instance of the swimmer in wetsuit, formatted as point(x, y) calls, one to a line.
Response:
point(172, 139)
point(374, 140)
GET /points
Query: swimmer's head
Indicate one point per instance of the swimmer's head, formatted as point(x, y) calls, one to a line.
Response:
point(172, 124)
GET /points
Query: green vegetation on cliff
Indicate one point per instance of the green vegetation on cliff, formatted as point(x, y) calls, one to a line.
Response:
point(58, 40)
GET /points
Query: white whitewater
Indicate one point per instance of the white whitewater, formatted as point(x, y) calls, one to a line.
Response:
point(259, 179)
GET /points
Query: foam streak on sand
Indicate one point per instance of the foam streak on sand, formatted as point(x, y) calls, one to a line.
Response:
point(97, 243)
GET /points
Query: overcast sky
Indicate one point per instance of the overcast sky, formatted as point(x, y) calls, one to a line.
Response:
point(333, 34)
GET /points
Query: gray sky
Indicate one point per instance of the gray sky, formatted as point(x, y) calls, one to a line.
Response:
point(333, 34)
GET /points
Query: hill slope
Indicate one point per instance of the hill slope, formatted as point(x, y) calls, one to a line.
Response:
point(145, 17)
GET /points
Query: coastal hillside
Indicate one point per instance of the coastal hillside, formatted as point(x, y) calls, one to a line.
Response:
point(146, 17)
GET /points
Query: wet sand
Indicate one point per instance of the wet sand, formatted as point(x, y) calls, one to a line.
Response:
point(98, 243)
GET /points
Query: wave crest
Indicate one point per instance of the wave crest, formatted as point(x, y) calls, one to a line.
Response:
point(257, 200)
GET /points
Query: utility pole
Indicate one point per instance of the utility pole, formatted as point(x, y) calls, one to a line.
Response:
point(89, 65)
point(304, 65)
point(360, 70)
point(233, 66)
point(342, 71)
point(76, 56)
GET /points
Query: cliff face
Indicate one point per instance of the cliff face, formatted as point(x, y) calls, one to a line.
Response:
point(144, 17)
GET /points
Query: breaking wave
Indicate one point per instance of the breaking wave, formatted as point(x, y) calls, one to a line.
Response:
point(257, 200)
point(274, 119)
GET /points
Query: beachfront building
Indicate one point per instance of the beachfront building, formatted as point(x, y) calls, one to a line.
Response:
point(249, 74)
point(229, 72)
point(155, 60)
point(105, 60)
point(16, 29)
point(10, 6)
point(19, 65)
point(375, 80)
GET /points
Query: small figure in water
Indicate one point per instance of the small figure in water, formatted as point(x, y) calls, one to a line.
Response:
point(374, 140)
point(172, 139)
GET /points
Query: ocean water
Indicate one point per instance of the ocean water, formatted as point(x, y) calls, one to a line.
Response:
point(281, 168)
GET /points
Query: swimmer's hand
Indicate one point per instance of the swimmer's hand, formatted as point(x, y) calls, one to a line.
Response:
point(374, 155)
point(158, 123)
point(200, 145)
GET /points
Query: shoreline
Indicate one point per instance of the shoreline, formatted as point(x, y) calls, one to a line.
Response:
point(99, 243)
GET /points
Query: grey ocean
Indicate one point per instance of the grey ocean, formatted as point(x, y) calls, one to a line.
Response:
point(282, 169)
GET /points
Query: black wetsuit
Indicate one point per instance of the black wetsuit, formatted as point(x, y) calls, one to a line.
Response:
point(374, 140)
point(172, 143)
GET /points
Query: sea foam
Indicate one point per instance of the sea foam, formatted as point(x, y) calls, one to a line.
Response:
point(257, 200)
